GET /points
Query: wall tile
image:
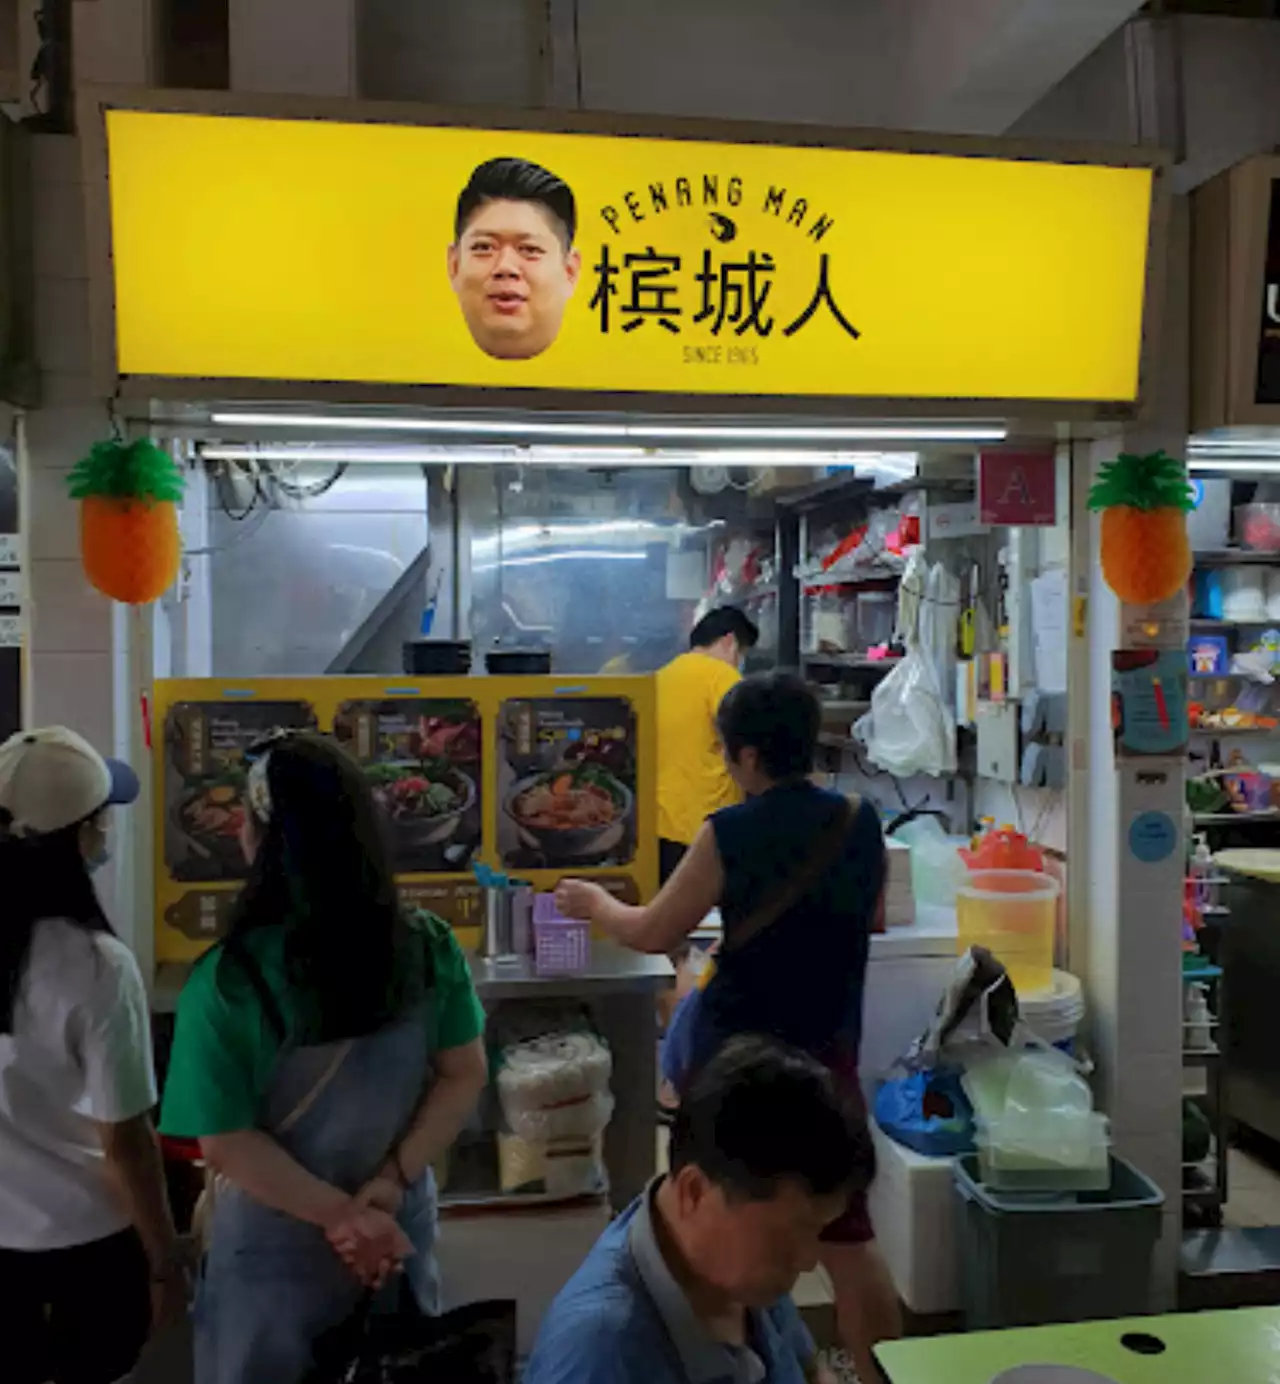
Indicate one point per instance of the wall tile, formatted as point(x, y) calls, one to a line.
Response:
point(73, 689)
point(62, 387)
point(59, 437)
point(1149, 1095)
point(53, 521)
point(58, 209)
point(56, 159)
point(66, 615)
point(62, 324)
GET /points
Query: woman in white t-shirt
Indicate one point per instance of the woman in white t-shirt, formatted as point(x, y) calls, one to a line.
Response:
point(88, 1256)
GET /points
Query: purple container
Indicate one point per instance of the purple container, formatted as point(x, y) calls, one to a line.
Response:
point(561, 946)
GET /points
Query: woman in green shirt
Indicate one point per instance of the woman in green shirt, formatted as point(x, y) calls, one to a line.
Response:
point(326, 1053)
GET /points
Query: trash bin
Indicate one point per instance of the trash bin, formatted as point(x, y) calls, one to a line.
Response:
point(1028, 1258)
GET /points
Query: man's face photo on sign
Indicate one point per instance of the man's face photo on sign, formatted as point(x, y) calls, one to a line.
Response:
point(513, 264)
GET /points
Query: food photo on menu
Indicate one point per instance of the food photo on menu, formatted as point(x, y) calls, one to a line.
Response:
point(422, 757)
point(206, 769)
point(566, 782)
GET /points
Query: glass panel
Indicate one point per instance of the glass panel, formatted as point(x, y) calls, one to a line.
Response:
point(294, 580)
point(605, 569)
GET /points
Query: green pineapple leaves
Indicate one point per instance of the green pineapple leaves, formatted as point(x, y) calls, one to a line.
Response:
point(118, 470)
point(1153, 481)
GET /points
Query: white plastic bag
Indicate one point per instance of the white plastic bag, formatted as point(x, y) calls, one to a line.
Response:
point(910, 728)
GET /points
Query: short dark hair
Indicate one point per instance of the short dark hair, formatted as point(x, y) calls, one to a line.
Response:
point(517, 180)
point(778, 716)
point(760, 1114)
point(715, 624)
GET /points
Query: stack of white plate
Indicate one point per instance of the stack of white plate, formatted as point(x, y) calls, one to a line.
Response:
point(899, 901)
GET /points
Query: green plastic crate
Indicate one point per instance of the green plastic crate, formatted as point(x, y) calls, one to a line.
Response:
point(1030, 1258)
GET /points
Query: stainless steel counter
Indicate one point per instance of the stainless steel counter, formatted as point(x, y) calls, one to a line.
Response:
point(613, 970)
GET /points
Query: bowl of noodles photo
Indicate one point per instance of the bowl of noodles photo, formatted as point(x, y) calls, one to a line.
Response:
point(570, 812)
point(424, 799)
point(205, 840)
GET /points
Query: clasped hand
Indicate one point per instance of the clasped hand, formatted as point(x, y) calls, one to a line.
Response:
point(366, 1235)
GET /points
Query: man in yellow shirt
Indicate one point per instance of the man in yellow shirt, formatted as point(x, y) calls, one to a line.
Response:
point(692, 779)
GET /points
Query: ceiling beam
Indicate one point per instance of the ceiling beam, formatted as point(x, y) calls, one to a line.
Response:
point(976, 67)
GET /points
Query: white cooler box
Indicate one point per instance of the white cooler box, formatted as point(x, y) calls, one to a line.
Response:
point(912, 1209)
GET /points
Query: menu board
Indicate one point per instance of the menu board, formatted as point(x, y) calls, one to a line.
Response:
point(206, 767)
point(522, 773)
point(567, 779)
point(423, 759)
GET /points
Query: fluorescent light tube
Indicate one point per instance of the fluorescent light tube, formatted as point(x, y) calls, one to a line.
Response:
point(1239, 466)
point(336, 454)
point(515, 431)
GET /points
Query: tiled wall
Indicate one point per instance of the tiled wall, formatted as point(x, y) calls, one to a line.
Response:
point(70, 639)
point(70, 624)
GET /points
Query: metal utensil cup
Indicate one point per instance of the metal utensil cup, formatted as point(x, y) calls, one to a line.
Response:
point(497, 923)
point(522, 895)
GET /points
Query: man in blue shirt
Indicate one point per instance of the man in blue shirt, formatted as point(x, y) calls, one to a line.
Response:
point(691, 1284)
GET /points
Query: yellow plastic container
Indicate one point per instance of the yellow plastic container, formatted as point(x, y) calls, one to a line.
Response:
point(1012, 913)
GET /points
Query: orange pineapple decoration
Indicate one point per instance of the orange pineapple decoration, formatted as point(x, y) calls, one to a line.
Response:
point(1146, 555)
point(129, 541)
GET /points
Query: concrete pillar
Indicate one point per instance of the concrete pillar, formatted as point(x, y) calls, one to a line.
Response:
point(113, 41)
point(1126, 929)
point(76, 669)
point(303, 47)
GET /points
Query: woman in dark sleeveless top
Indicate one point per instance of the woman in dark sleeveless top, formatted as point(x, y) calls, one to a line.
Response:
point(820, 863)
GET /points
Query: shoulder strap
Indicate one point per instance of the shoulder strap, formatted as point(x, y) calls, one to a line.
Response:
point(340, 1054)
point(271, 1008)
point(784, 897)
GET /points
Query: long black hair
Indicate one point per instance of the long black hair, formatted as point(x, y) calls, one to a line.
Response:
point(40, 877)
point(323, 871)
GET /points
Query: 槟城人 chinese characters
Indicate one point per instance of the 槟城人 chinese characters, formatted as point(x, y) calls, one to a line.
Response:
point(644, 287)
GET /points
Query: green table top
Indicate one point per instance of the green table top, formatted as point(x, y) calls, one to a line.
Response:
point(1241, 1347)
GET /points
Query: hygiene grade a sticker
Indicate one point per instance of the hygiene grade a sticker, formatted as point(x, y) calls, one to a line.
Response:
point(1153, 837)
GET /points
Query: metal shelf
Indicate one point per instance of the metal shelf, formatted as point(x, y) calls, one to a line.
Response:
point(1235, 730)
point(856, 661)
point(1233, 557)
point(830, 741)
point(517, 1201)
point(1208, 819)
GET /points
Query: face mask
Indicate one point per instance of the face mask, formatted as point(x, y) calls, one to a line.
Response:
point(98, 859)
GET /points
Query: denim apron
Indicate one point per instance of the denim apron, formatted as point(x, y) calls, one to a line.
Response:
point(271, 1285)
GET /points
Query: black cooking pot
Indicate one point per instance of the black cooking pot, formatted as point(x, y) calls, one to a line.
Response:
point(449, 658)
point(517, 662)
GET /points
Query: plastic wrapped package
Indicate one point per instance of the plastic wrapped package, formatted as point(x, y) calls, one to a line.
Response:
point(556, 1085)
point(581, 1118)
point(555, 1168)
point(937, 870)
point(1038, 1130)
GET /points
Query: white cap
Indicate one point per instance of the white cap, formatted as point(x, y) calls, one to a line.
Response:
point(52, 778)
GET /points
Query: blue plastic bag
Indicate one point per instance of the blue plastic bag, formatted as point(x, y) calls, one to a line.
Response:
point(677, 1046)
point(902, 1102)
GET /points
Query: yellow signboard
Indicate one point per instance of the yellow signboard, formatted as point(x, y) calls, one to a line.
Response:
point(315, 250)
